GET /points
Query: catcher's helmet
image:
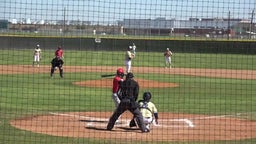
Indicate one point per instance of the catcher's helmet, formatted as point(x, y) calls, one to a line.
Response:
point(147, 96)
point(120, 72)
point(129, 75)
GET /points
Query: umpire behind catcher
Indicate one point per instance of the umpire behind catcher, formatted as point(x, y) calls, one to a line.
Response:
point(57, 62)
point(128, 93)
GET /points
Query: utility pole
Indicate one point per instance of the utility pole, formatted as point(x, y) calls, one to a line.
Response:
point(251, 24)
point(229, 30)
point(64, 20)
point(63, 27)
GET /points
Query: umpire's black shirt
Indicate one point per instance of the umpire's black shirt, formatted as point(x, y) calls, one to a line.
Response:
point(129, 89)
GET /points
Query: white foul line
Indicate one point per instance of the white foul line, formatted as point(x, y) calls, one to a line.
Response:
point(78, 116)
point(187, 121)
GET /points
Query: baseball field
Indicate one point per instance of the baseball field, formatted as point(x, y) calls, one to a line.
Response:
point(204, 98)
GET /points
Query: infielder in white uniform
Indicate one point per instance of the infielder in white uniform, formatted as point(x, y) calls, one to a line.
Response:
point(128, 59)
point(37, 55)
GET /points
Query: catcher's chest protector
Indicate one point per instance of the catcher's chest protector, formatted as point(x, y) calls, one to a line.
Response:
point(144, 105)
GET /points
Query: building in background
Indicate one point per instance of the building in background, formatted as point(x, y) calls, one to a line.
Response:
point(217, 27)
point(193, 27)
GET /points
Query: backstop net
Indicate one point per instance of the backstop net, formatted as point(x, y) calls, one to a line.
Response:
point(134, 71)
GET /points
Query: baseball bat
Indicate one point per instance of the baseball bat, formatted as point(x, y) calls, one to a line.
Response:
point(107, 75)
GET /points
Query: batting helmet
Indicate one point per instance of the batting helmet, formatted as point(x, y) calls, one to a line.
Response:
point(120, 72)
point(129, 75)
point(147, 96)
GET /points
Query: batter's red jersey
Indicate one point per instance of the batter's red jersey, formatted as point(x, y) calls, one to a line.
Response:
point(116, 82)
point(59, 53)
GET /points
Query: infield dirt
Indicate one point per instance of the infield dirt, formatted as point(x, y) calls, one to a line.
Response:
point(172, 126)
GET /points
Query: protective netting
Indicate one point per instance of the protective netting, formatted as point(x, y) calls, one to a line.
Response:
point(65, 71)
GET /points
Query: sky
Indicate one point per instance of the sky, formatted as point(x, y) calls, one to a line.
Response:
point(111, 11)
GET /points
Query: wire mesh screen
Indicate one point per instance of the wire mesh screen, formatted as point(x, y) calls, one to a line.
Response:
point(155, 71)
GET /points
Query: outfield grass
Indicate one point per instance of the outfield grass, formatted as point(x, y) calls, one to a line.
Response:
point(152, 59)
point(34, 94)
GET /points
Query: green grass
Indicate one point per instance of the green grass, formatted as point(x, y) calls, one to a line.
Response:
point(34, 94)
point(151, 59)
